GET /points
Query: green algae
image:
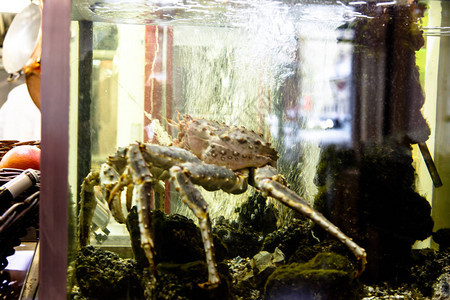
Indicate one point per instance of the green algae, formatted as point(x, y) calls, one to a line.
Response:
point(326, 276)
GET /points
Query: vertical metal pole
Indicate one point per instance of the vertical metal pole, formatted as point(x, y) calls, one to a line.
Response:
point(84, 101)
point(158, 95)
point(169, 104)
point(55, 144)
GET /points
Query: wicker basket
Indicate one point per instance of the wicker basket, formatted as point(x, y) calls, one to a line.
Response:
point(6, 145)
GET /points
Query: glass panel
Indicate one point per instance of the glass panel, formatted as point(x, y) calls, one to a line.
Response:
point(331, 97)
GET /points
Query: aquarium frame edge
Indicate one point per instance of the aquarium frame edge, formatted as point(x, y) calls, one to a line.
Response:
point(55, 145)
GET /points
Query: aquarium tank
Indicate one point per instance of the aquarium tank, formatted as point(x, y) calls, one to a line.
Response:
point(240, 149)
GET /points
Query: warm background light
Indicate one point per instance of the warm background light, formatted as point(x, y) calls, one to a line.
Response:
point(13, 6)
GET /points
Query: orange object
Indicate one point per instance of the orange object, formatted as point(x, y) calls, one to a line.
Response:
point(22, 157)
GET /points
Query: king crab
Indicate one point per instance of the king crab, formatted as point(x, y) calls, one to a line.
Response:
point(206, 153)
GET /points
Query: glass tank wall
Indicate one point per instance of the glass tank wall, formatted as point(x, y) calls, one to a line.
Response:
point(325, 176)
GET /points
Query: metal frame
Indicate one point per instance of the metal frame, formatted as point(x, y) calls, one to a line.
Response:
point(55, 145)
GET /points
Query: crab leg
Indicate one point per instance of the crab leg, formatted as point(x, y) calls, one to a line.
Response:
point(195, 201)
point(211, 177)
point(186, 170)
point(112, 186)
point(143, 181)
point(88, 203)
point(266, 180)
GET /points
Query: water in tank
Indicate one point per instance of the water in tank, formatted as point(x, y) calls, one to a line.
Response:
point(237, 149)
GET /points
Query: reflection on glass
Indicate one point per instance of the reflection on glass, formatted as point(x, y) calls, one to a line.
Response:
point(337, 89)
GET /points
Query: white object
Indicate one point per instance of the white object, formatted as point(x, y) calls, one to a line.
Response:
point(22, 38)
point(13, 7)
point(20, 119)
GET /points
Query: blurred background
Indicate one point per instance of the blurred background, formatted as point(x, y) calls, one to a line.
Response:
point(8, 9)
